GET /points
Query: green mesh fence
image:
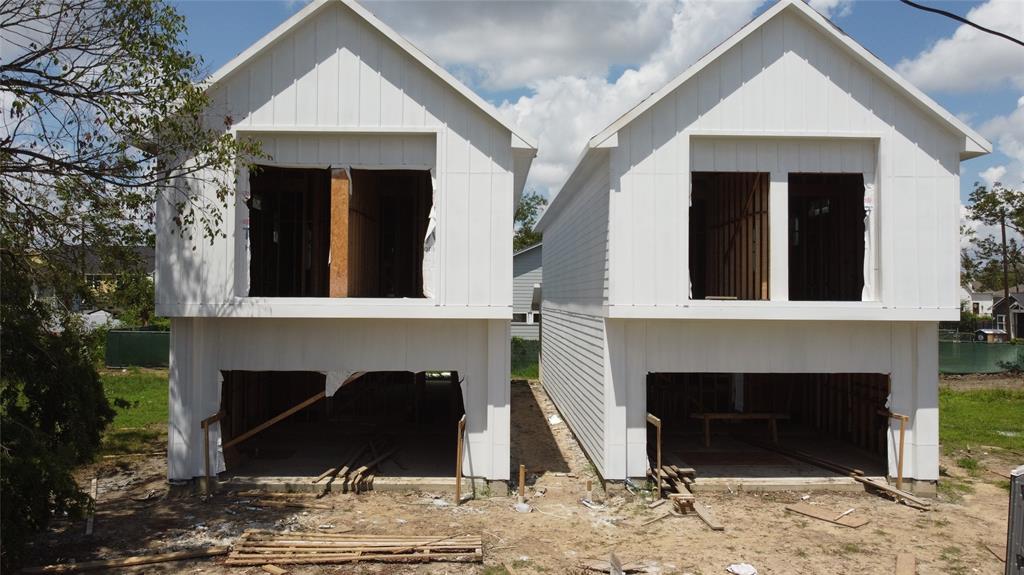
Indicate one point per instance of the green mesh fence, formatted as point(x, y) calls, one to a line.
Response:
point(131, 348)
point(975, 357)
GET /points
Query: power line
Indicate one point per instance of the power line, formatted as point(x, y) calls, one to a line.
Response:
point(959, 18)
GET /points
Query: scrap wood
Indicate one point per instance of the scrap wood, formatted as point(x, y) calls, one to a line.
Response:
point(274, 569)
point(262, 547)
point(998, 550)
point(358, 474)
point(92, 508)
point(898, 494)
point(906, 564)
point(843, 519)
point(128, 561)
point(705, 514)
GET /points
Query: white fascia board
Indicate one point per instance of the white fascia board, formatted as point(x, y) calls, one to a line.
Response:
point(313, 7)
point(976, 146)
point(784, 311)
point(370, 308)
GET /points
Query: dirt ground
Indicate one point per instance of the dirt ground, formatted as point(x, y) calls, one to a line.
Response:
point(136, 515)
point(981, 381)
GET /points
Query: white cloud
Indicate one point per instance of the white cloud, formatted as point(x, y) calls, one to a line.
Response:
point(970, 59)
point(500, 45)
point(566, 110)
point(992, 174)
point(832, 8)
point(1007, 133)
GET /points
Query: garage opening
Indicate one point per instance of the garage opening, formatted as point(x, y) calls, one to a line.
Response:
point(335, 233)
point(289, 232)
point(741, 424)
point(729, 236)
point(392, 423)
point(826, 237)
point(389, 213)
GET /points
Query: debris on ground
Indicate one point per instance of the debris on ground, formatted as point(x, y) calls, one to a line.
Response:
point(741, 569)
point(260, 547)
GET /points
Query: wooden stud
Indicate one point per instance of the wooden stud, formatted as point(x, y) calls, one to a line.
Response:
point(522, 483)
point(340, 186)
point(657, 431)
point(458, 460)
point(287, 413)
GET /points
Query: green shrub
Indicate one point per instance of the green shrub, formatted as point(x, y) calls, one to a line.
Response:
point(525, 358)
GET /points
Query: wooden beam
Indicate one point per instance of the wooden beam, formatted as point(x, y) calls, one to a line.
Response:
point(340, 186)
point(128, 561)
point(320, 395)
point(458, 459)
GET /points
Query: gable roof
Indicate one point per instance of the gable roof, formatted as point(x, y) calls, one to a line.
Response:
point(524, 250)
point(313, 7)
point(975, 144)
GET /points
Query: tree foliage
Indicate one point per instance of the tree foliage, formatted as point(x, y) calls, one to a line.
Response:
point(982, 260)
point(527, 213)
point(104, 113)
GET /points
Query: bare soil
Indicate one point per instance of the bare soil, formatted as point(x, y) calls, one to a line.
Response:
point(136, 515)
point(982, 381)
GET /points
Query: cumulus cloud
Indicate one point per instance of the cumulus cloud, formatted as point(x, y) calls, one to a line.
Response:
point(564, 111)
point(562, 54)
point(992, 174)
point(501, 45)
point(971, 60)
point(1007, 133)
point(832, 8)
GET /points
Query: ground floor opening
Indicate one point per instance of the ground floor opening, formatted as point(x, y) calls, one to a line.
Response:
point(396, 424)
point(741, 425)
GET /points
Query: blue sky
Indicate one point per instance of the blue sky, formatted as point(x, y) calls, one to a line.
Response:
point(577, 67)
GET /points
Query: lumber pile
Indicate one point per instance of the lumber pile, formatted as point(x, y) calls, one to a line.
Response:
point(676, 485)
point(255, 548)
point(350, 478)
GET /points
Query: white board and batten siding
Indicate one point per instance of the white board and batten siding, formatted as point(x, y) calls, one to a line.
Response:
point(336, 92)
point(526, 273)
point(787, 94)
point(575, 262)
point(788, 99)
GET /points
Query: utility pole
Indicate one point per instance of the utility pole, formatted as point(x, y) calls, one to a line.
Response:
point(1006, 278)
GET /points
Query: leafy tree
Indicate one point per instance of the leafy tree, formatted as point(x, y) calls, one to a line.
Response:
point(527, 213)
point(104, 114)
point(982, 262)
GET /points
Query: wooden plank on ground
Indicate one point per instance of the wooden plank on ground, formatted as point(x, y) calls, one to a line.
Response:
point(128, 561)
point(274, 570)
point(838, 518)
point(705, 514)
point(906, 564)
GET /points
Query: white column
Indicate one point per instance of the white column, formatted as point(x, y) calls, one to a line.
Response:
point(925, 415)
point(778, 237)
point(499, 371)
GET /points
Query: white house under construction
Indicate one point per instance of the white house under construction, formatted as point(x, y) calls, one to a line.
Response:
point(764, 247)
point(364, 286)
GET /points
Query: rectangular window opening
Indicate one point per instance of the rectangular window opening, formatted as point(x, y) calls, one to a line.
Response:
point(320, 233)
point(729, 236)
point(826, 237)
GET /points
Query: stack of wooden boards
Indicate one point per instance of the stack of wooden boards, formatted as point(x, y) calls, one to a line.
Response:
point(350, 478)
point(676, 482)
point(256, 547)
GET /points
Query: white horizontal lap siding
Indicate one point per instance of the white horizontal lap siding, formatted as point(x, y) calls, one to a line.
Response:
point(525, 330)
point(786, 79)
point(526, 272)
point(336, 72)
point(575, 264)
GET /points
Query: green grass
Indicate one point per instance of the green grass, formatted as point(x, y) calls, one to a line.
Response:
point(525, 354)
point(139, 397)
point(992, 417)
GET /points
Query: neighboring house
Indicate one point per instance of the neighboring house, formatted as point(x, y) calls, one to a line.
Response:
point(773, 232)
point(526, 277)
point(368, 260)
point(1008, 314)
point(978, 303)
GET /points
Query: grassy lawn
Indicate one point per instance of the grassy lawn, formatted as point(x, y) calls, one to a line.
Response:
point(139, 396)
point(981, 417)
point(525, 356)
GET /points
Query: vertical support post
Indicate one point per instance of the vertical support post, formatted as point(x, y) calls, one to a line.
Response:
point(522, 484)
point(903, 431)
point(340, 185)
point(458, 460)
point(657, 434)
point(206, 448)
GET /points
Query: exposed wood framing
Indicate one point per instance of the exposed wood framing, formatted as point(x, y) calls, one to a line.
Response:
point(279, 417)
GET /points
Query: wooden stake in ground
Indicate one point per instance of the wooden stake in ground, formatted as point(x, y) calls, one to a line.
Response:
point(458, 460)
point(128, 561)
point(206, 423)
point(522, 484)
point(92, 508)
point(657, 429)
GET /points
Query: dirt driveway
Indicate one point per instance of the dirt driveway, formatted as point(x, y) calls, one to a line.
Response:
point(135, 515)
